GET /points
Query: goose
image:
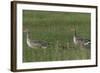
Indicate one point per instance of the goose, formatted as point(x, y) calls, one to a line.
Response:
point(35, 43)
point(77, 40)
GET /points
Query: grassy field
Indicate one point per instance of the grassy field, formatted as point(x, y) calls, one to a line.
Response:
point(55, 27)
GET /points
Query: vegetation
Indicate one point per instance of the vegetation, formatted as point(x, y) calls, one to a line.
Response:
point(56, 29)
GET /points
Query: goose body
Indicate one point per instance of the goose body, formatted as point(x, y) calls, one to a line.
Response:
point(77, 40)
point(80, 41)
point(35, 43)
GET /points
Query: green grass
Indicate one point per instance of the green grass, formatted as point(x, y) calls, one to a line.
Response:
point(53, 27)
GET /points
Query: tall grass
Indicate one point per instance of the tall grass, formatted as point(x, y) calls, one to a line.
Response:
point(53, 27)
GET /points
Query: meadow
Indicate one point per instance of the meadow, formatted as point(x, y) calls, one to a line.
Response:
point(56, 28)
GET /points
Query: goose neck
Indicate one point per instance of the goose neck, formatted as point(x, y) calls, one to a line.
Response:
point(28, 36)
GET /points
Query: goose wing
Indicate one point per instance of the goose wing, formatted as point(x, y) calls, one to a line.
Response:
point(39, 42)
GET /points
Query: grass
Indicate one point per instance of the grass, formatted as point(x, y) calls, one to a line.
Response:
point(53, 27)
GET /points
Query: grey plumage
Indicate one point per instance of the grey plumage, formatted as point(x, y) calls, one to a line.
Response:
point(35, 43)
point(80, 40)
